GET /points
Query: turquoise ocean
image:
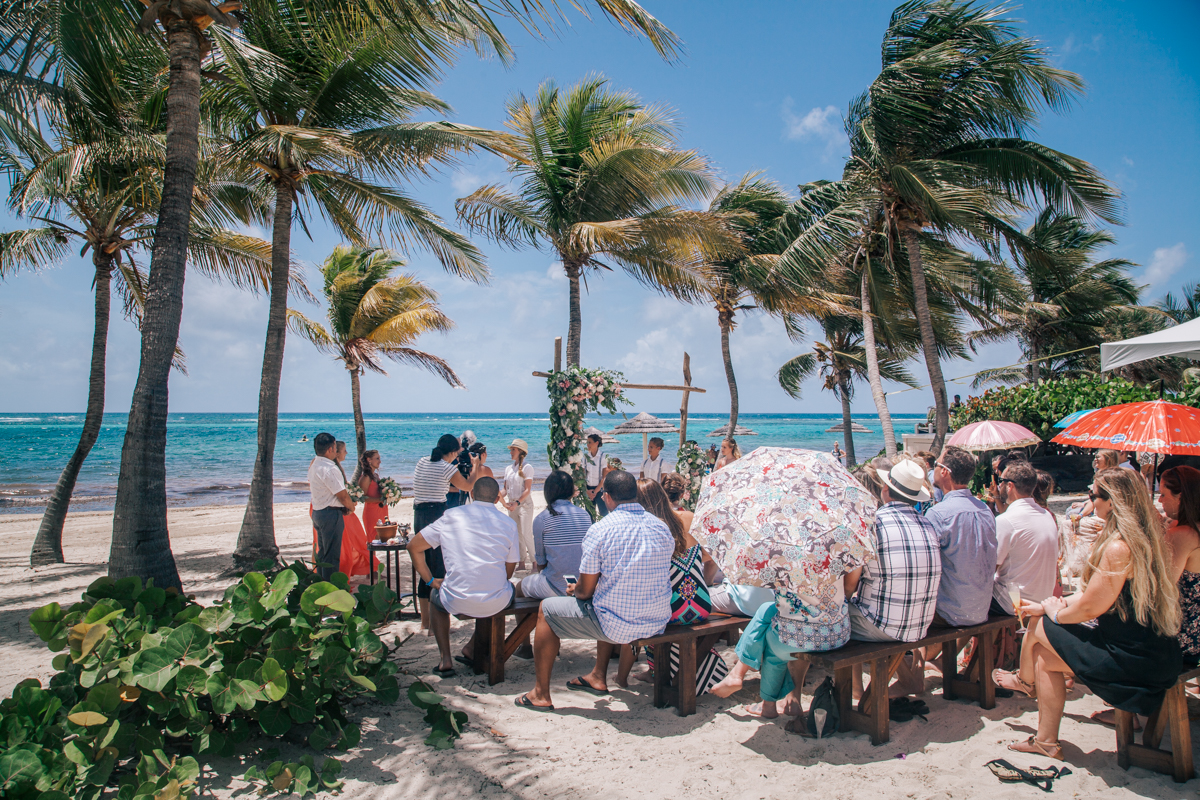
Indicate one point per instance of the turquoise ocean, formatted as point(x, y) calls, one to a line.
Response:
point(210, 457)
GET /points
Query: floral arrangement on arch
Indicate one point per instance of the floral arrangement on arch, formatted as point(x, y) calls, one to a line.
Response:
point(574, 392)
point(693, 466)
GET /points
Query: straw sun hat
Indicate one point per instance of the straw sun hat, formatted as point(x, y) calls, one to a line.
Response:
point(520, 445)
point(906, 481)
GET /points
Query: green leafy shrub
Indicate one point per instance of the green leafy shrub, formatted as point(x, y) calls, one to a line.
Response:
point(146, 674)
point(446, 725)
point(1039, 405)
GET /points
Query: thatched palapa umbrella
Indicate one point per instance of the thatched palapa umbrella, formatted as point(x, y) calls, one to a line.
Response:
point(604, 437)
point(645, 424)
point(723, 431)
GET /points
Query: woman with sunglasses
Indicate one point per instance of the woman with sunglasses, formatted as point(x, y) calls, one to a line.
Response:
point(1130, 657)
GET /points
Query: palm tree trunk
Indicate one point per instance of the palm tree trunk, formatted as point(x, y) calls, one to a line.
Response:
point(141, 544)
point(847, 429)
point(47, 545)
point(725, 319)
point(1035, 366)
point(360, 428)
point(881, 406)
point(575, 323)
point(256, 539)
point(928, 342)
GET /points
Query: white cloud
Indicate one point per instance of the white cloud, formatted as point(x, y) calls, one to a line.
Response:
point(555, 272)
point(465, 182)
point(1167, 261)
point(1127, 161)
point(818, 125)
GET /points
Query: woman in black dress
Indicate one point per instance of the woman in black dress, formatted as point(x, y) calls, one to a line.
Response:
point(1130, 657)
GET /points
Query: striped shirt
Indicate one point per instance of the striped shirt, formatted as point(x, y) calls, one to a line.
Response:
point(431, 480)
point(898, 591)
point(631, 551)
point(558, 542)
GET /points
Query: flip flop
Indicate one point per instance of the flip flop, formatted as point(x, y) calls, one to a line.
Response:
point(444, 673)
point(580, 685)
point(524, 702)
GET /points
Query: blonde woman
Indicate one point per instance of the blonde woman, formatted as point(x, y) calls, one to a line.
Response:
point(1130, 657)
point(516, 494)
point(730, 452)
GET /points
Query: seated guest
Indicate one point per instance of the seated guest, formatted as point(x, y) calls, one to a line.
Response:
point(897, 594)
point(676, 486)
point(1180, 495)
point(966, 532)
point(1129, 657)
point(1026, 541)
point(623, 591)
point(558, 534)
point(689, 590)
point(480, 551)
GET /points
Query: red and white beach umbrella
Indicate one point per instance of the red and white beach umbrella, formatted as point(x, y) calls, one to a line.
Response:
point(1152, 426)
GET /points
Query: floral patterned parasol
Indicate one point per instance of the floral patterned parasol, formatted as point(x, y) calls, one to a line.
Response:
point(785, 519)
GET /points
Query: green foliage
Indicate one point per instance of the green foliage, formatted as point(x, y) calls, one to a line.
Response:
point(447, 725)
point(144, 673)
point(301, 777)
point(1039, 405)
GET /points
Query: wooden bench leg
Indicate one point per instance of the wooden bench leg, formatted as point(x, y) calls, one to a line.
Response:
point(987, 662)
point(843, 687)
point(483, 645)
point(495, 650)
point(1175, 707)
point(1124, 737)
point(686, 678)
point(662, 675)
point(949, 670)
point(878, 701)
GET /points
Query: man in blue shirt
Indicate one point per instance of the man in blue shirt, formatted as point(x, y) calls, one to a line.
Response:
point(966, 530)
point(623, 593)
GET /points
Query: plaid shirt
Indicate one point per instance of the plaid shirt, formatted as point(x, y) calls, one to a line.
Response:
point(898, 591)
point(631, 551)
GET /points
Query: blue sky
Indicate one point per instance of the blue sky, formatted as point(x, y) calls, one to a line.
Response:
point(763, 86)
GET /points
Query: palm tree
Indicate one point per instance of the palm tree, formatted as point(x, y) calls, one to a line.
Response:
point(31, 35)
point(330, 133)
point(839, 360)
point(600, 174)
point(1068, 300)
point(374, 315)
point(937, 142)
point(1183, 308)
point(98, 181)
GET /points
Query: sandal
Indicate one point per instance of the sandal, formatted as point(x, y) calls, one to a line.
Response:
point(448, 672)
point(580, 685)
point(1032, 745)
point(524, 702)
point(1043, 778)
point(999, 675)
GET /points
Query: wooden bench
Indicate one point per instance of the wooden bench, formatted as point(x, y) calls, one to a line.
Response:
point(1177, 761)
point(492, 648)
point(883, 658)
point(694, 641)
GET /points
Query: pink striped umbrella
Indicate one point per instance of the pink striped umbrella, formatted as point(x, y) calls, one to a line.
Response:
point(993, 435)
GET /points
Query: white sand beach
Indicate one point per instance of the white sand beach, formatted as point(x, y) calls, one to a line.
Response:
point(619, 746)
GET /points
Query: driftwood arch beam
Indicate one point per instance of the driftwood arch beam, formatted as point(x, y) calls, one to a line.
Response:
point(686, 388)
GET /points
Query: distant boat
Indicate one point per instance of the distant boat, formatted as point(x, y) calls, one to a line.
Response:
point(854, 428)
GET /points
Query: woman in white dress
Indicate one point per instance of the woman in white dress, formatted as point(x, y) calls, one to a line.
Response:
point(516, 493)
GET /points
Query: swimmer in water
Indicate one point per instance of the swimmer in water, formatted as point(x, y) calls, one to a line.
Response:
point(304, 438)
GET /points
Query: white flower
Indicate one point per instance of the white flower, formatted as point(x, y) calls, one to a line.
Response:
point(576, 459)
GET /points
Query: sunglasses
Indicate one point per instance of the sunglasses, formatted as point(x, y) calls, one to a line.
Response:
point(1094, 496)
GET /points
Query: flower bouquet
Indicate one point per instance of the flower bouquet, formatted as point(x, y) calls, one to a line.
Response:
point(615, 463)
point(356, 493)
point(390, 491)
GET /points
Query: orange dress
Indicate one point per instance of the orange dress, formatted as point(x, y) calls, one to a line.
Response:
point(355, 557)
point(373, 512)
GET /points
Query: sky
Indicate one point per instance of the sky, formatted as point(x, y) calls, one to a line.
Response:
point(762, 86)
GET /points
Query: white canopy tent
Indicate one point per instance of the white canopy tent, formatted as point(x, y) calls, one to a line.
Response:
point(1182, 340)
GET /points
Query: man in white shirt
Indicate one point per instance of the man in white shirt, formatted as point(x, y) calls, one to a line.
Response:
point(1026, 541)
point(595, 467)
point(652, 467)
point(330, 501)
point(480, 548)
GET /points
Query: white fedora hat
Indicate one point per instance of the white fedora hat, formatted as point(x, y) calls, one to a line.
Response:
point(520, 445)
point(906, 481)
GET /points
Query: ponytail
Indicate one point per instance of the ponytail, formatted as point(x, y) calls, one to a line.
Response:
point(447, 444)
point(364, 464)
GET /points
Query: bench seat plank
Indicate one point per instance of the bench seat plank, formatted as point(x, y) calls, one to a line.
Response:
point(694, 641)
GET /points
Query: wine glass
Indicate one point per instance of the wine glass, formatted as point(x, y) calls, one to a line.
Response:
point(1014, 594)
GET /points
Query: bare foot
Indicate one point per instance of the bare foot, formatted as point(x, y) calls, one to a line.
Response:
point(792, 707)
point(763, 710)
point(645, 676)
point(728, 685)
point(1109, 717)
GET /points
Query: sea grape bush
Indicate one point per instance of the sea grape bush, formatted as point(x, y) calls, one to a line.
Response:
point(1039, 405)
point(145, 675)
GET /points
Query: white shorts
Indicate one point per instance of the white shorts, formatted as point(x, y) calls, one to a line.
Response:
point(537, 587)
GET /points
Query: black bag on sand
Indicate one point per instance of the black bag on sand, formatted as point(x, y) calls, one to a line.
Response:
point(823, 717)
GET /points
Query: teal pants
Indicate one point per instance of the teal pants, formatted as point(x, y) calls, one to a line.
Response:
point(759, 648)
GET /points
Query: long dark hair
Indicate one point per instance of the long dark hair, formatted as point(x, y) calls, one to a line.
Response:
point(1185, 482)
point(652, 498)
point(447, 444)
point(364, 464)
point(559, 486)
